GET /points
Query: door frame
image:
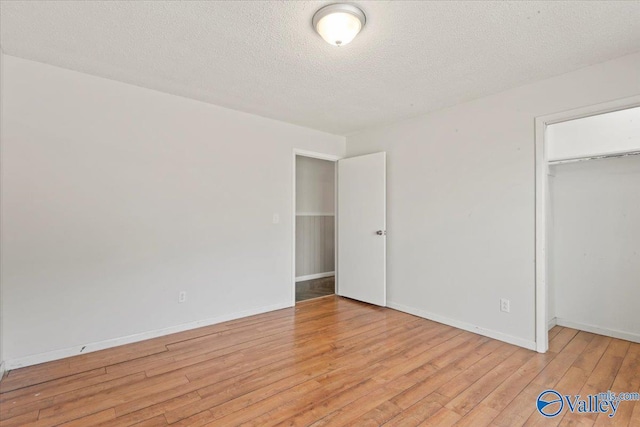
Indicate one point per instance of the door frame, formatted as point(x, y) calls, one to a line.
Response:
point(542, 201)
point(321, 156)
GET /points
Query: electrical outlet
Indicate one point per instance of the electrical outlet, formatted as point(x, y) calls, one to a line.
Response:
point(505, 305)
point(182, 296)
point(276, 218)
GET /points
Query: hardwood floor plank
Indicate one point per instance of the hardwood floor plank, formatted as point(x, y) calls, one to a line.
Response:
point(414, 415)
point(198, 420)
point(86, 406)
point(25, 377)
point(466, 400)
point(600, 380)
point(635, 415)
point(519, 410)
point(149, 412)
point(336, 382)
point(579, 352)
point(14, 408)
point(443, 418)
point(248, 385)
point(588, 359)
point(327, 362)
point(20, 420)
point(479, 416)
point(385, 384)
point(195, 368)
point(502, 396)
point(51, 388)
point(557, 343)
point(476, 371)
point(554, 331)
point(456, 364)
point(158, 421)
point(627, 379)
point(91, 420)
point(376, 416)
point(573, 379)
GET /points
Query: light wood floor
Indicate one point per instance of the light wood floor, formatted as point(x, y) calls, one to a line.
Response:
point(329, 361)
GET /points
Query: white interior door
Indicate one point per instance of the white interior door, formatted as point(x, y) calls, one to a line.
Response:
point(362, 228)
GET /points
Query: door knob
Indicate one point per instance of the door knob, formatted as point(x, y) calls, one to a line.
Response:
point(381, 232)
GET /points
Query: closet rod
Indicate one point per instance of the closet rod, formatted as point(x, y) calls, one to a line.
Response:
point(604, 156)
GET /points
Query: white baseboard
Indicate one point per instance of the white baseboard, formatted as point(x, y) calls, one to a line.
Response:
point(552, 322)
point(315, 276)
point(531, 345)
point(629, 336)
point(21, 362)
point(315, 214)
point(2, 370)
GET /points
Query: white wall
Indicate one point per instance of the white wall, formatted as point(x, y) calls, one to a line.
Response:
point(615, 132)
point(1, 250)
point(460, 200)
point(115, 198)
point(594, 267)
point(315, 186)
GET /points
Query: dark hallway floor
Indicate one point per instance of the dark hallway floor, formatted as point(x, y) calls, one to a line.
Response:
point(315, 288)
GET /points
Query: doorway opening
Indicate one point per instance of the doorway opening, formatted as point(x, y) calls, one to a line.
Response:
point(587, 234)
point(315, 227)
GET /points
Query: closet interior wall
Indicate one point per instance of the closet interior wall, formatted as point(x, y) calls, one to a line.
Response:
point(594, 241)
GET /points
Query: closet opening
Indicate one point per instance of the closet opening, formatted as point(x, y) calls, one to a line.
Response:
point(315, 227)
point(588, 223)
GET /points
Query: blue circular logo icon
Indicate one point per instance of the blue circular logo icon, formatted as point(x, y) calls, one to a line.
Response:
point(549, 403)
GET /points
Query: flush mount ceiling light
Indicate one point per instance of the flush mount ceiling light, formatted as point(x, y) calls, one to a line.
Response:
point(339, 23)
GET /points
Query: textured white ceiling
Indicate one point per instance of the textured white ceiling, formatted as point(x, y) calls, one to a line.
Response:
point(263, 57)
